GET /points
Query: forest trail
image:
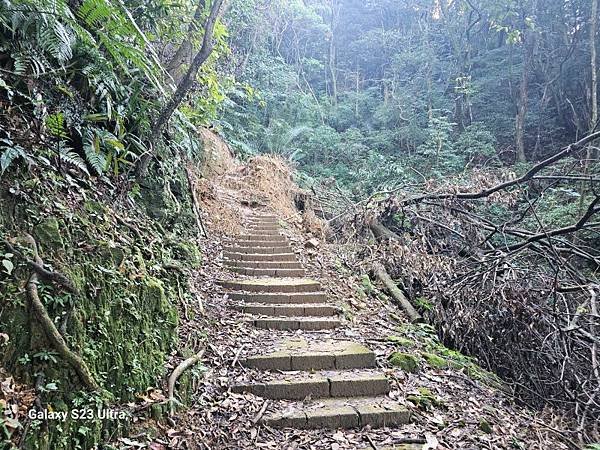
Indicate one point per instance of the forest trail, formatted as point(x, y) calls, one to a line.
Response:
point(333, 381)
point(304, 351)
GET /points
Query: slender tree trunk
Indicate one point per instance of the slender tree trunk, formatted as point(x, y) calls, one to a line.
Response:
point(594, 66)
point(183, 86)
point(523, 95)
point(332, 50)
point(184, 52)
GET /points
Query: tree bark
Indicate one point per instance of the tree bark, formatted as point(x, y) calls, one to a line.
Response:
point(183, 86)
point(183, 53)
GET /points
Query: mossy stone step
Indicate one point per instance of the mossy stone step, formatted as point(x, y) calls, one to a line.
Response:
point(260, 272)
point(281, 298)
point(259, 250)
point(295, 323)
point(377, 412)
point(298, 354)
point(286, 285)
point(279, 310)
point(283, 256)
point(263, 264)
point(320, 385)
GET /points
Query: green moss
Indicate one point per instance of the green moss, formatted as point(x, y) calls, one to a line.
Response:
point(367, 286)
point(405, 361)
point(404, 342)
point(48, 233)
point(485, 426)
point(188, 253)
point(424, 399)
point(435, 361)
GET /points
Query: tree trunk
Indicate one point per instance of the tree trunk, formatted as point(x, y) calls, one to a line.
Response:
point(523, 95)
point(332, 70)
point(184, 52)
point(594, 66)
point(183, 86)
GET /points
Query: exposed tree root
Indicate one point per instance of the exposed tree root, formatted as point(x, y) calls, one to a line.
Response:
point(46, 275)
point(50, 330)
point(182, 367)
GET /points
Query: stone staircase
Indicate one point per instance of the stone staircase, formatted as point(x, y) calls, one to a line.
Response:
point(330, 383)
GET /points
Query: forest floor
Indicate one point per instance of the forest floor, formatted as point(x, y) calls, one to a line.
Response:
point(455, 403)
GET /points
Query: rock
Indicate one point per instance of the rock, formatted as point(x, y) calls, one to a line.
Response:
point(312, 243)
point(405, 361)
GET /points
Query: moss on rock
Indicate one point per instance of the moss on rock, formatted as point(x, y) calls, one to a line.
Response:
point(405, 361)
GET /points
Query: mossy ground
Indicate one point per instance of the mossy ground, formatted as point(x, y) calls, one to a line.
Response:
point(124, 321)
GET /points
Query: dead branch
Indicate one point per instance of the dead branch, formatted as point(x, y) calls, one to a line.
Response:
point(396, 293)
point(195, 203)
point(568, 151)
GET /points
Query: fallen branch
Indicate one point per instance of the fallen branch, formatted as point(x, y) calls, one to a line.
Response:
point(182, 367)
point(261, 412)
point(529, 175)
point(396, 293)
point(50, 330)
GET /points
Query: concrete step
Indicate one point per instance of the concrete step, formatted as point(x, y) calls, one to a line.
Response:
point(258, 243)
point(260, 272)
point(320, 385)
point(259, 250)
point(256, 237)
point(299, 354)
point(376, 412)
point(282, 298)
point(282, 310)
point(272, 285)
point(264, 264)
point(235, 256)
point(295, 323)
point(264, 228)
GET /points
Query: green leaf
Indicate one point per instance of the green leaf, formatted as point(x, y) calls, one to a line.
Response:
point(8, 266)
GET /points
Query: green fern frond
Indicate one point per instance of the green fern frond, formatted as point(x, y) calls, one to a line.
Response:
point(68, 156)
point(93, 154)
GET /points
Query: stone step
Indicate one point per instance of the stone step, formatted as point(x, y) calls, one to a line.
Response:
point(272, 285)
point(264, 264)
point(260, 272)
point(377, 412)
point(299, 354)
point(295, 323)
point(235, 256)
point(320, 385)
point(268, 228)
point(263, 222)
point(282, 298)
point(294, 310)
point(256, 237)
point(259, 250)
point(258, 243)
